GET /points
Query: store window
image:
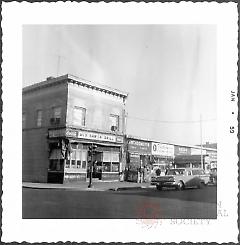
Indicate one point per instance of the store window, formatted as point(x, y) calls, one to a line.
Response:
point(110, 162)
point(78, 159)
point(84, 159)
point(39, 118)
point(115, 161)
point(79, 116)
point(114, 122)
point(24, 120)
point(106, 167)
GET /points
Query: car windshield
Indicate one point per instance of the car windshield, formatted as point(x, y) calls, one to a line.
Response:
point(175, 172)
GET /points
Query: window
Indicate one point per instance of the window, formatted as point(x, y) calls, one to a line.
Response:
point(56, 115)
point(24, 120)
point(114, 122)
point(78, 159)
point(110, 162)
point(39, 118)
point(79, 116)
point(57, 112)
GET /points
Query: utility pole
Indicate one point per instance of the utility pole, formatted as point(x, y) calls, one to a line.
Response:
point(201, 140)
point(91, 149)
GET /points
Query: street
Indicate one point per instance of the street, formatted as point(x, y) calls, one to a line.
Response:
point(137, 204)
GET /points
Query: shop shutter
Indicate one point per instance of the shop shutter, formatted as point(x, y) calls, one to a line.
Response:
point(115, 157)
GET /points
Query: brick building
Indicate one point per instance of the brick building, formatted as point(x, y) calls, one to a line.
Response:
point(62, 117)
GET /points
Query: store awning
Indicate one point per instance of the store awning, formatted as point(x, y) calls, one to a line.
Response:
point(56, 154)
point(187, 159)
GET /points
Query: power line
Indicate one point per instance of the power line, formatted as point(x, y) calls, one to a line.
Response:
point(167, 121)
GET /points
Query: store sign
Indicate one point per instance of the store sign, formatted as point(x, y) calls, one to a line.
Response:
point(139, 146)
point(97, 136)
point(181, 150)
point(196, 151)
point(56, 133)
point(212, 156)
point(85, 135)
point(161, 149)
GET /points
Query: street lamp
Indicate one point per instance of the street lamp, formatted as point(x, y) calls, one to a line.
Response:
point(91, 149)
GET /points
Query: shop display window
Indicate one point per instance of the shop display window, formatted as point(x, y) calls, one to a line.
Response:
point(73, 163)
point(107, 166)
point(115, 167)
point(68, 164)
point(84, 164)
point(110, 162)
point(78, 164)
point(78, 158)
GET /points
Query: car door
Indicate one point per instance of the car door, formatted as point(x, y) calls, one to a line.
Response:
point(189, 178)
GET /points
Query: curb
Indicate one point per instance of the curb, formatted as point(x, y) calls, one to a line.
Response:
point(126, 188)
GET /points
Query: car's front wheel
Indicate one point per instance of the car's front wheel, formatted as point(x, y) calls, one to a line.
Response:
point(180, 186)
point(159, 187)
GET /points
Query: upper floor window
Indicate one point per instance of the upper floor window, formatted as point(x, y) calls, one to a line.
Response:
point(56, 115)
point(24, 120)
point(39, 118)
point(79, 116)
point(114, 122)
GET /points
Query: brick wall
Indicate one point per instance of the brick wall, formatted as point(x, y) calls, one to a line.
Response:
point(34, 141)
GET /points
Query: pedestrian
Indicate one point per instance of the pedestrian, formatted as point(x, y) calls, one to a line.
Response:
point(158, 172)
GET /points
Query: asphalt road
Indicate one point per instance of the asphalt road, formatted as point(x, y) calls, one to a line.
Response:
point(137, 204)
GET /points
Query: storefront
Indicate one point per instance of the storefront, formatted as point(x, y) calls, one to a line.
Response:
point(182, 156)
point(190, 157)
point(138, 159)
point(70, 155)
point(212, 159)
point(162, 156)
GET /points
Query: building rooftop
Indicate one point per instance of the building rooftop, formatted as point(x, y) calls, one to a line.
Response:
point(73, 79)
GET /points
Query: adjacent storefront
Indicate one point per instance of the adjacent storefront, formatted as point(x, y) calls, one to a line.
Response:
point(182, 156)
point(190, 157)
point(138, 159)
point(212, 159)
point(70, 155)
point(162, 156)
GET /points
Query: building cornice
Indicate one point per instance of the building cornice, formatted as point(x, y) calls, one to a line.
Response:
point(52, 81)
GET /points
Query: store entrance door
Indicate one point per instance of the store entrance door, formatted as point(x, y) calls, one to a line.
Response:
point(97, 165)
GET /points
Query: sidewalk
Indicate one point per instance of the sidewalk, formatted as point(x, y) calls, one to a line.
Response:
point(83, 186)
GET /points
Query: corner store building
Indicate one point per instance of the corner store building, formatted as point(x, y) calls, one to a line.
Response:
point(62, 117)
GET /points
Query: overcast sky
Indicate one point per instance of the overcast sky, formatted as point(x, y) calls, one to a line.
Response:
point(169, 71)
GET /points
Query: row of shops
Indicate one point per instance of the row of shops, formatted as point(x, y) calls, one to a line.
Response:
point(147, 156)
point(116, 157)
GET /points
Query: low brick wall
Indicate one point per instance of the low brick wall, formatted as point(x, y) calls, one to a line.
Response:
point(74, 177)
point(110, 176)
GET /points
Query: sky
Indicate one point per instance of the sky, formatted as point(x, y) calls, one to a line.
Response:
point(169, 72)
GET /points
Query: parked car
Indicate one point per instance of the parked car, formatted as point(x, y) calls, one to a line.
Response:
point(181, 178)
point(213, 176)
